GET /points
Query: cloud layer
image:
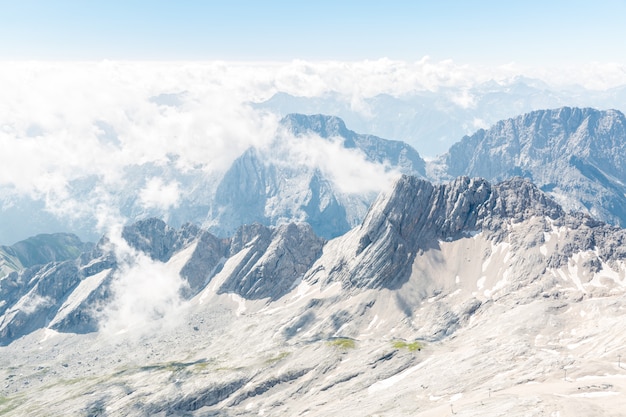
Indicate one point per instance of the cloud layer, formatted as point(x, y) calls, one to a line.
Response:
point(69, 125)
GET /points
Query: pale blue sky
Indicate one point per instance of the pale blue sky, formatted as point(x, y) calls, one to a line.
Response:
point(490, 32)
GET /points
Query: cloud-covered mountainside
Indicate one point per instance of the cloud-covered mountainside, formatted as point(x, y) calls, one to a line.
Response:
point(87, 146)
point(578, 156)
point(314, 169)
point(465, 297)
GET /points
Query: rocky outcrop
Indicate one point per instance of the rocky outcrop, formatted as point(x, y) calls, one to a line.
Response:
point(417, 215)
point(40, 292)
point(273, 259)
point(259, 262)
point(69, 296)
point(274, 185)
point(396, 153)
point(158, 240)
point(206, 261)
point(577, 156)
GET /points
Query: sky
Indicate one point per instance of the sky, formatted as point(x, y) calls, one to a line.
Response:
point(487, 32)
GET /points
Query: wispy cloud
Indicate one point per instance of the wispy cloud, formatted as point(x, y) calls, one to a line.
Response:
point(146, 294)
point(158, 195)
point(347, 168)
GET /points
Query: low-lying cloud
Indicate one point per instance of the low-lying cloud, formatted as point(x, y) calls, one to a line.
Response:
point(159, 195)
point(146, 293)
point(347, 168)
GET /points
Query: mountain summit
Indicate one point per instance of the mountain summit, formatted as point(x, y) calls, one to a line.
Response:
point(577, 156)
point(315, 171)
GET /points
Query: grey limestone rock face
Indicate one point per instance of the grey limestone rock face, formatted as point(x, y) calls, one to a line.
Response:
point(274, 261)
point(259, 189)
point(325, 126)
point(396, 153)
point(32, 297)
point(207, 259)
point(42, 295)
point(158, 240)
point(417, 215)
point(413, 217)
point(577, 156)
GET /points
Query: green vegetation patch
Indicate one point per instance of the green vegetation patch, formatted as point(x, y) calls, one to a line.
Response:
point(172, 366)
point(342, 343)
point(9, 404)
point(277, 358)
point(410, 346)
point(175, 366)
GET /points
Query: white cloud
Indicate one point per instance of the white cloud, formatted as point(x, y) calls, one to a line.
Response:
point(463, 99)
point(32, 303)
point(63, 122)
point(158, 195)
point(145, 292)
point(347, 168)
point(478, 123)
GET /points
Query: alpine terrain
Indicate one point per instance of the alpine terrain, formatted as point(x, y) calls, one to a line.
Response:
point(465, 298)
point(289, 181)
point(314, 170)
point(577, 156)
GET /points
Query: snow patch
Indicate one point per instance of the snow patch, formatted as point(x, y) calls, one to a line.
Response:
point(82, 291)
point(456, 397)
point(241, 303)
point(391, 381)
point(481, 282)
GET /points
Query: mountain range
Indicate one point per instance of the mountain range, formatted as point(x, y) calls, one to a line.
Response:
point(293, 178)
point(488, 281)
point(273, 186)
point(576, 155)
point(433, 119)
point(318, 171)
point(494, 283)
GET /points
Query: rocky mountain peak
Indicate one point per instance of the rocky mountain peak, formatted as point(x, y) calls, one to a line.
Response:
point(274, 185)
point(319, 124)
point(158, 240)
point(416, 215)
point(576, 155)
point(273, 259)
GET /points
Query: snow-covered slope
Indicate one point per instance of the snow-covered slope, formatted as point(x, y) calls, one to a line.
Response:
point(578, 156)
point(466, 298)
